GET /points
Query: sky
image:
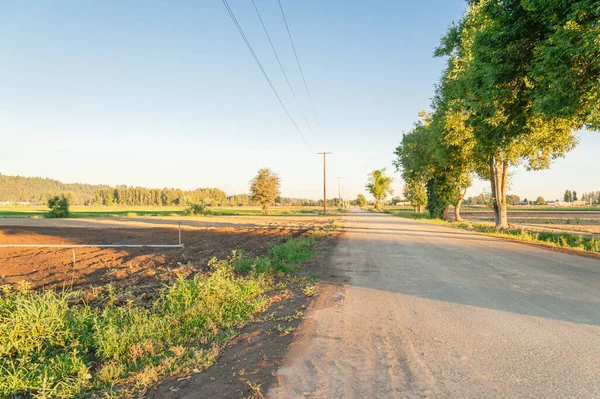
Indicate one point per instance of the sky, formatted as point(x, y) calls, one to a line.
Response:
point(166, 94)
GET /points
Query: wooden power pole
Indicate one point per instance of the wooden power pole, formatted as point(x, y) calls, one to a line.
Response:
point(339, 179)
point(324, 180)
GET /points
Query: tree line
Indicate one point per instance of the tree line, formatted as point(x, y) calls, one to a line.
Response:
point(38, 190)
point(521, 77)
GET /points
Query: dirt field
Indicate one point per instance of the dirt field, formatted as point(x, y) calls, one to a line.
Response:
point(585, 222)
point(137, 270)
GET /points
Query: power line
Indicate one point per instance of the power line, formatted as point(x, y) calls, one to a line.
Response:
point(282, 69)
point(299, 66)
point(241, 31)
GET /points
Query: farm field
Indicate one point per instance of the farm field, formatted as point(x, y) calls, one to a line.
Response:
point(137, 268)
point(147, 211)
point(127, 292)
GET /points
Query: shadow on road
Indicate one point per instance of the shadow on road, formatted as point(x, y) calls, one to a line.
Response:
point(404, 256)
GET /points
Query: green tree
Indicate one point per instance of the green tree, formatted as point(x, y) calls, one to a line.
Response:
point(574, 195)
point(361, 200)
point(416, 194)
point(264, 188)
point(540, 201)
point(380, 186)
point(59, 206)
point(432, 156)
point(513, 199)
point(568, 196)
point(497, 52)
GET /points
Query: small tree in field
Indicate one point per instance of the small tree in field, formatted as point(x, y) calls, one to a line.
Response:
point(379, 185)
point(540, 201)
point(361, 200)
point(59, 206)
point(264, 188)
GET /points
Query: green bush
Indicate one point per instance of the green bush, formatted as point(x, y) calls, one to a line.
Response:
point(197, 209)
point(59, 207)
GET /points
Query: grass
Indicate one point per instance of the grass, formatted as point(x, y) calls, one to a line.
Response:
point(54, 345)
point(562, 240)
point(146, 211)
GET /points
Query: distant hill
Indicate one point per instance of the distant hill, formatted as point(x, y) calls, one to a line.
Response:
point(37, 189)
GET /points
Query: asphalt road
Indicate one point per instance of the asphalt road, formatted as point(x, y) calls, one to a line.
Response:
point(413, 310)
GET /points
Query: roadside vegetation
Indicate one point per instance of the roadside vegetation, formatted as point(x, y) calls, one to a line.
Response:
point(562, 240)
point(521, 78)
point(56, 345)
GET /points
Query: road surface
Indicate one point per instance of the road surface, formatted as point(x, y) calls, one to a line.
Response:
point(415, 310)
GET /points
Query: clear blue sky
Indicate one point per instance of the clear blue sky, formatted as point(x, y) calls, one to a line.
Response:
point(166, 93)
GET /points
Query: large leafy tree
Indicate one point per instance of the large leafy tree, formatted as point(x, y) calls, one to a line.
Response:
point(498, 51)
point(436, 155)
point(380, 186)
point(264, 188)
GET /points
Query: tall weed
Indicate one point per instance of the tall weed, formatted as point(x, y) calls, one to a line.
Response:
point(50, 347)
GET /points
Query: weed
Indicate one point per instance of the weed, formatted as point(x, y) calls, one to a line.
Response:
point(256, 391)
point(50, 347)
point(309, 289)
point(283, 330)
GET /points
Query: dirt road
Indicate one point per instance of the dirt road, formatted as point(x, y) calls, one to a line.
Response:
point(413, 310)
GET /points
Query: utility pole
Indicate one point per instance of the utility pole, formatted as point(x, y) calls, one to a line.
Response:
point(339, 179)
point(324, 180)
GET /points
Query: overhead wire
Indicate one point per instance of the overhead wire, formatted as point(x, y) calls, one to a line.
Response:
point(300, 67)
point(241, 31)
point(282, 69)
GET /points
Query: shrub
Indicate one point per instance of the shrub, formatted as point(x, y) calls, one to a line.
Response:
point(197, 209)
point(59, 206)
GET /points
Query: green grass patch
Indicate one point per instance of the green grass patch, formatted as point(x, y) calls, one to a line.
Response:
point(54, 345)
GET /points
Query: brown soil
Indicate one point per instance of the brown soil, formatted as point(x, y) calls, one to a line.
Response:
point(253, 358)
point(134, 267)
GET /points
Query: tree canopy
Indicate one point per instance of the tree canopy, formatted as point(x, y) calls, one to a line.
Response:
point(522, 76)
point(380, 186)
point(264, 188)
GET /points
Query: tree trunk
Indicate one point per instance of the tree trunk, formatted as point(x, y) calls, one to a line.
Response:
point(377, 204)
point(446, 212)
point(461, 196)
point(499, 181)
